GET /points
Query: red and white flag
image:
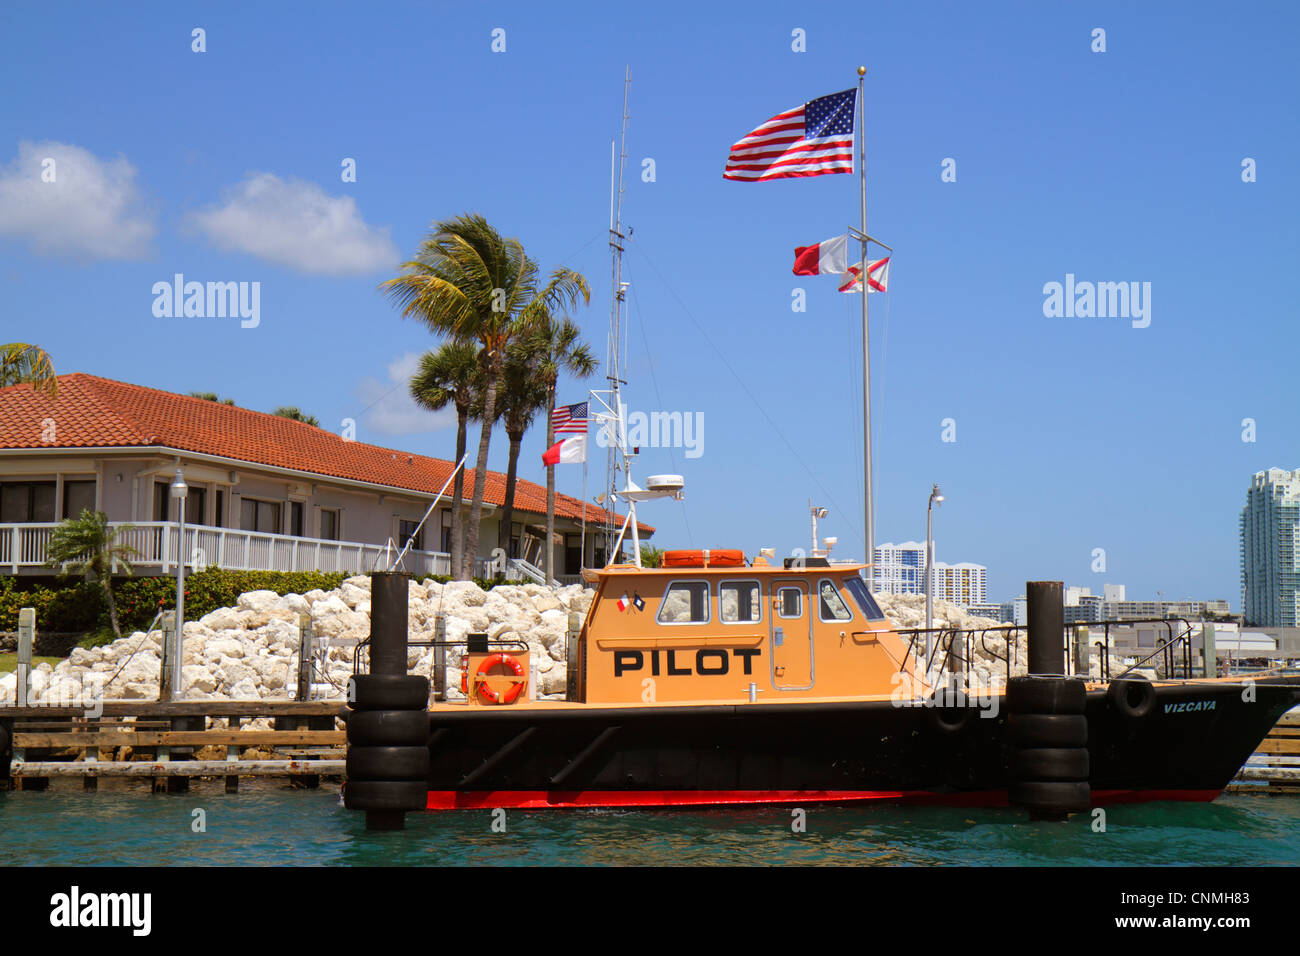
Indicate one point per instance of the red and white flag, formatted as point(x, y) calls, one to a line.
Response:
point(570, 451)
point(810, 140)
point(878, 278)
point(829, 257)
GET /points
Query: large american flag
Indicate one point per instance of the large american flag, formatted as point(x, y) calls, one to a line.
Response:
point(811, 140)
point(571, 419)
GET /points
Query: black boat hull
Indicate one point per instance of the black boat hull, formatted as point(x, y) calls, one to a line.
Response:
point(1188, 747)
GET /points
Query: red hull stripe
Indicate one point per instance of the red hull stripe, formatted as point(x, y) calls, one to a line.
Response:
point(548, 799)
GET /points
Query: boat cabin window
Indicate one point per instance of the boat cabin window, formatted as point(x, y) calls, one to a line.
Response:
point(685, 602)
point(832, 606)
point(738, 602)
point(789, 602)
point(862, 597)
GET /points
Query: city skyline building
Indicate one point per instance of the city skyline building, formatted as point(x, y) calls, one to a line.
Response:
point(1270, 537)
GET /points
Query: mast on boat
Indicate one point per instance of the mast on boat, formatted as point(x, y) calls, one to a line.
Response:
point(618, 457)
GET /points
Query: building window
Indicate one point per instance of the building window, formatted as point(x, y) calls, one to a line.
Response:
point(255, 515)
point(219, 516)
point(572, 554)
point(329, 524)
point(738, 602)
point(516, 529)
point(446, 531)
point(194, 502)
point(78, 496)
point(27, 501)
point(161, 501)
point(685, 602)
point(404, 531)
point(295, 518)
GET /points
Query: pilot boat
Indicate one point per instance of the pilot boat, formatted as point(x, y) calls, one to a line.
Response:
point(721, 680)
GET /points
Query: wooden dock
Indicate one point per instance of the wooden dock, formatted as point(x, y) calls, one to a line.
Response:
point(1275, 767)
point(170, 744)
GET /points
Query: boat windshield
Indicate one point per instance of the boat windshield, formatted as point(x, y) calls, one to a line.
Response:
point(858, 588)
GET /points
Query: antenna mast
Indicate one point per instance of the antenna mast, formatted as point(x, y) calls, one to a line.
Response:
point(614, 461)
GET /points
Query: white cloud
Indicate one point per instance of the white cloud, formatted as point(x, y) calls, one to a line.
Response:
point(297, 224)
point(77, 205)
point(390, 410)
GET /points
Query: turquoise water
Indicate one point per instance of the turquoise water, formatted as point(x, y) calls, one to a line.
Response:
point(274, 826)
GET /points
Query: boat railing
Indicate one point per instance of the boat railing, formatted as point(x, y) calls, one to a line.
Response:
point(956, 648)
point(438, 664)
point(1178, 636)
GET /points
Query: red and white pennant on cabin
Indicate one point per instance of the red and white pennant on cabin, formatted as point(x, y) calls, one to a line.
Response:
point(571, 423)
point(809, 140)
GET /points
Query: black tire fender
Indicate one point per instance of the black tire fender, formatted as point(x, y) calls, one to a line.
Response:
point(388, 692)
point(386, 795)
point(1132, 698)
point(388, 728)
point(950, 720)
point(1027, 731)
point(1046, 695)
point(1051, 763)
point(1058, 796)
point(388, 763)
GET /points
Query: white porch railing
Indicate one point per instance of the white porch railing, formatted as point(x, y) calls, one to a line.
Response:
point(24, 546)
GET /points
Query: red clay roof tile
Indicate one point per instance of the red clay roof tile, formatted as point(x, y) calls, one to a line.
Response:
point(94, 412)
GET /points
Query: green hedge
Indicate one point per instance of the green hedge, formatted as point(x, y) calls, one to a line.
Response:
point(81, 607)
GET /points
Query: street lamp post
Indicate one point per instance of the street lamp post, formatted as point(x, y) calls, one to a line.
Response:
point(935, 496)
point(179, 491)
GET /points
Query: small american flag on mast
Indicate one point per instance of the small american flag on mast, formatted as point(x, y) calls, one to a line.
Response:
point(810, 140)
point(571, 419)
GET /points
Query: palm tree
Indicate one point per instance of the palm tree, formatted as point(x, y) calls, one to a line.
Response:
point(86, 545)
point(522, 396)
point(473, 285)
point(22, 363)
point(212, 397)
point(296, 414)
point(453, 375)
point(557, 347)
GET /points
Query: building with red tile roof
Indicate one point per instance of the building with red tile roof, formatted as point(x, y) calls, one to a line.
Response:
point(256, 477)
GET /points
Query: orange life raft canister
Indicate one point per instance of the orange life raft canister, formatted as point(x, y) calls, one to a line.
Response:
point(706, 558)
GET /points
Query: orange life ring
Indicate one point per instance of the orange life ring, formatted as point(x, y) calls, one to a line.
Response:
point(486, 690)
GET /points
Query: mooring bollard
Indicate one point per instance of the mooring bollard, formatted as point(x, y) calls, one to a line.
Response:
point(306, 655)
point(1082, 652)
point(26, 642)
point(388, 727)
point(1047, 723)
point(440, 656)
point(571, 655)
point(1209, 649)
point(166, 691)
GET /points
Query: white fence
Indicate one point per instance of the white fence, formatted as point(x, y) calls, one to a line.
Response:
point(24, 546)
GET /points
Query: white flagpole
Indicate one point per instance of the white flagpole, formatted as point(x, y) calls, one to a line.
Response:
point(868, 511)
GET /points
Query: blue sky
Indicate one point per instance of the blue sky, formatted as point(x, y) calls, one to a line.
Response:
point(1072, 433)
